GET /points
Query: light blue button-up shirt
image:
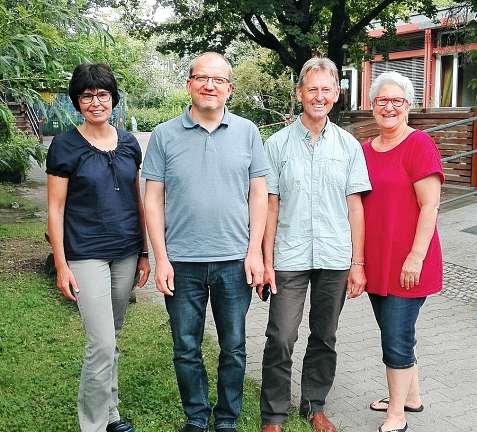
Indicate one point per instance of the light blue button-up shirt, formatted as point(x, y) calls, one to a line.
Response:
point(312, 181)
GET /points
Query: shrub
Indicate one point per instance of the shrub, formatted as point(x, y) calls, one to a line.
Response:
point(168, 106)
point(16, 147)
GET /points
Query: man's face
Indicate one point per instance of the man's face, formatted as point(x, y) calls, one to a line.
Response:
point(209, 86)
point(317, 95)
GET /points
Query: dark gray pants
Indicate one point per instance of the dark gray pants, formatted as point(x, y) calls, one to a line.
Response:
point(328, 291)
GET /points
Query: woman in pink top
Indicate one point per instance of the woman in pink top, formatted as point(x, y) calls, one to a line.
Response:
point(402, 250)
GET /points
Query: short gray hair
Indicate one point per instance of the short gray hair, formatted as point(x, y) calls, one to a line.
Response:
point(317, 64)
point(394, 78)
point(210, 53)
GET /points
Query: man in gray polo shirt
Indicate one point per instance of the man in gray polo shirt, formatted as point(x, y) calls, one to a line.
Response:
point(314, 234)
point(206, 207)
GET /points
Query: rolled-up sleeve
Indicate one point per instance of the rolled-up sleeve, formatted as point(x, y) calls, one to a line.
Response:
point(273, 176)
point(358, 179)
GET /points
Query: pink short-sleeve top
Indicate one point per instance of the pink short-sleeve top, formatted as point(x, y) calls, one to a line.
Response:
point(391, 213)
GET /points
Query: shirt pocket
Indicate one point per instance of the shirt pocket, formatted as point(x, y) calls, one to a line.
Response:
point(292, 177)
point(333, 172)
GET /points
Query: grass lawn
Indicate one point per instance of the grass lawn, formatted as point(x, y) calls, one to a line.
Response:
point(41, 346)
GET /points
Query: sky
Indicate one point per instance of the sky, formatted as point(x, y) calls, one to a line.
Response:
point(110, 15)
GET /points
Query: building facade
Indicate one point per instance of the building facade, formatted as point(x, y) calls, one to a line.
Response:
point(439, 56)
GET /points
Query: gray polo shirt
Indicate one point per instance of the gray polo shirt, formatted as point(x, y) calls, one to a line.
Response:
point(313, 181)
point(206, 178)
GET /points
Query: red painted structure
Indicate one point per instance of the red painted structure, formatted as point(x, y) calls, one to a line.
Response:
point(429, 53)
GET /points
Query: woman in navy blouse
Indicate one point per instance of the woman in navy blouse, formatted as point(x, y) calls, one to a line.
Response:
point(97, 232)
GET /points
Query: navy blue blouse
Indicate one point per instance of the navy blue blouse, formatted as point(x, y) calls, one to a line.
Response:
point(101, 219)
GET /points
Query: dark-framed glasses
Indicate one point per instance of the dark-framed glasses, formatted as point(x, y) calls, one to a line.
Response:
point(396, 102)
point(203, 79)
point(87, 98)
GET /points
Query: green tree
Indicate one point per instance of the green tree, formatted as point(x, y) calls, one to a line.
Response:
point(120, 51)
point(260, 96)
point(294, 30)
point(32, 34)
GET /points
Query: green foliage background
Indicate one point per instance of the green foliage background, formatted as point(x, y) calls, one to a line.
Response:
point(17, 147)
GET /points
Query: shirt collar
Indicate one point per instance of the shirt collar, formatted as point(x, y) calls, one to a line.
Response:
point(305, 134)
point(188, 122)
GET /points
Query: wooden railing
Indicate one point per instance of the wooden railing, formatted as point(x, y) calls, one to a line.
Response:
point(25, 115)
point(35, 122)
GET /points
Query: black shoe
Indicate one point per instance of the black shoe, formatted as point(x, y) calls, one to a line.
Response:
point(191, 428)
point(119, 426)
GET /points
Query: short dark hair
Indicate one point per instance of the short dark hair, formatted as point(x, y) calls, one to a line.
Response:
point(92, 76)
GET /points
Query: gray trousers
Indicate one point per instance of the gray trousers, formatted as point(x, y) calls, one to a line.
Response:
point(102, 301)
point(328, 291)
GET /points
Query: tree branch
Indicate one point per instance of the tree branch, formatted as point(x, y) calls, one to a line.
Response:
point(266, 39)
point(363, 22)
point(301, 53)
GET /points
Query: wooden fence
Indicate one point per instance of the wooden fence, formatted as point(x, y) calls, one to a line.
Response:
point(452, 141)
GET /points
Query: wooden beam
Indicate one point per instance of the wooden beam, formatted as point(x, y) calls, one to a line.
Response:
point(428, 59)
point(473, 177)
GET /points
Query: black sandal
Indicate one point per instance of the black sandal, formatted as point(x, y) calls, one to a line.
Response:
point(404, 429)
point(385, 400)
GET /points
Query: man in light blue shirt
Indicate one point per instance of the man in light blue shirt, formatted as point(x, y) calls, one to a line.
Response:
point(314, 237)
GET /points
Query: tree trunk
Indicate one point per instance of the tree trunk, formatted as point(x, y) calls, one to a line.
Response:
point(336, 54)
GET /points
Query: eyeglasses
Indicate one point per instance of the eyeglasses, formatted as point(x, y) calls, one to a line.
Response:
point(396, 102)
point(203, 79)
point(87, 98)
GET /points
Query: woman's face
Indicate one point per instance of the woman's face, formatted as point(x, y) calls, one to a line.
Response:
point(96, 105)
point(390, 107)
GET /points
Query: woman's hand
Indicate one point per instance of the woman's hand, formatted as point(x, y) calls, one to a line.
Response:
point(65, 281)
point(411, 271)
point(144, 270)
point(356, 281)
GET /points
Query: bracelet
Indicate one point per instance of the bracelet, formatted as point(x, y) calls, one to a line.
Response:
point(143, 254)
point(357, 263)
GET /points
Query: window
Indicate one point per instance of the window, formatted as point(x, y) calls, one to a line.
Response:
point(413, 68)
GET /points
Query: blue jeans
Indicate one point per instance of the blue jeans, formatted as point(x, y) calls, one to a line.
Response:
point(396, 318)
point(230, 299)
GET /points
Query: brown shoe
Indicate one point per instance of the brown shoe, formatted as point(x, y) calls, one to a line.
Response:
point(321, 423)
point(272, 428)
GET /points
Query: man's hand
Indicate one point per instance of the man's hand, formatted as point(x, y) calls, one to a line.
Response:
point(254, 268)
point(268, 278)
point(356, 281)
point(164, 277)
